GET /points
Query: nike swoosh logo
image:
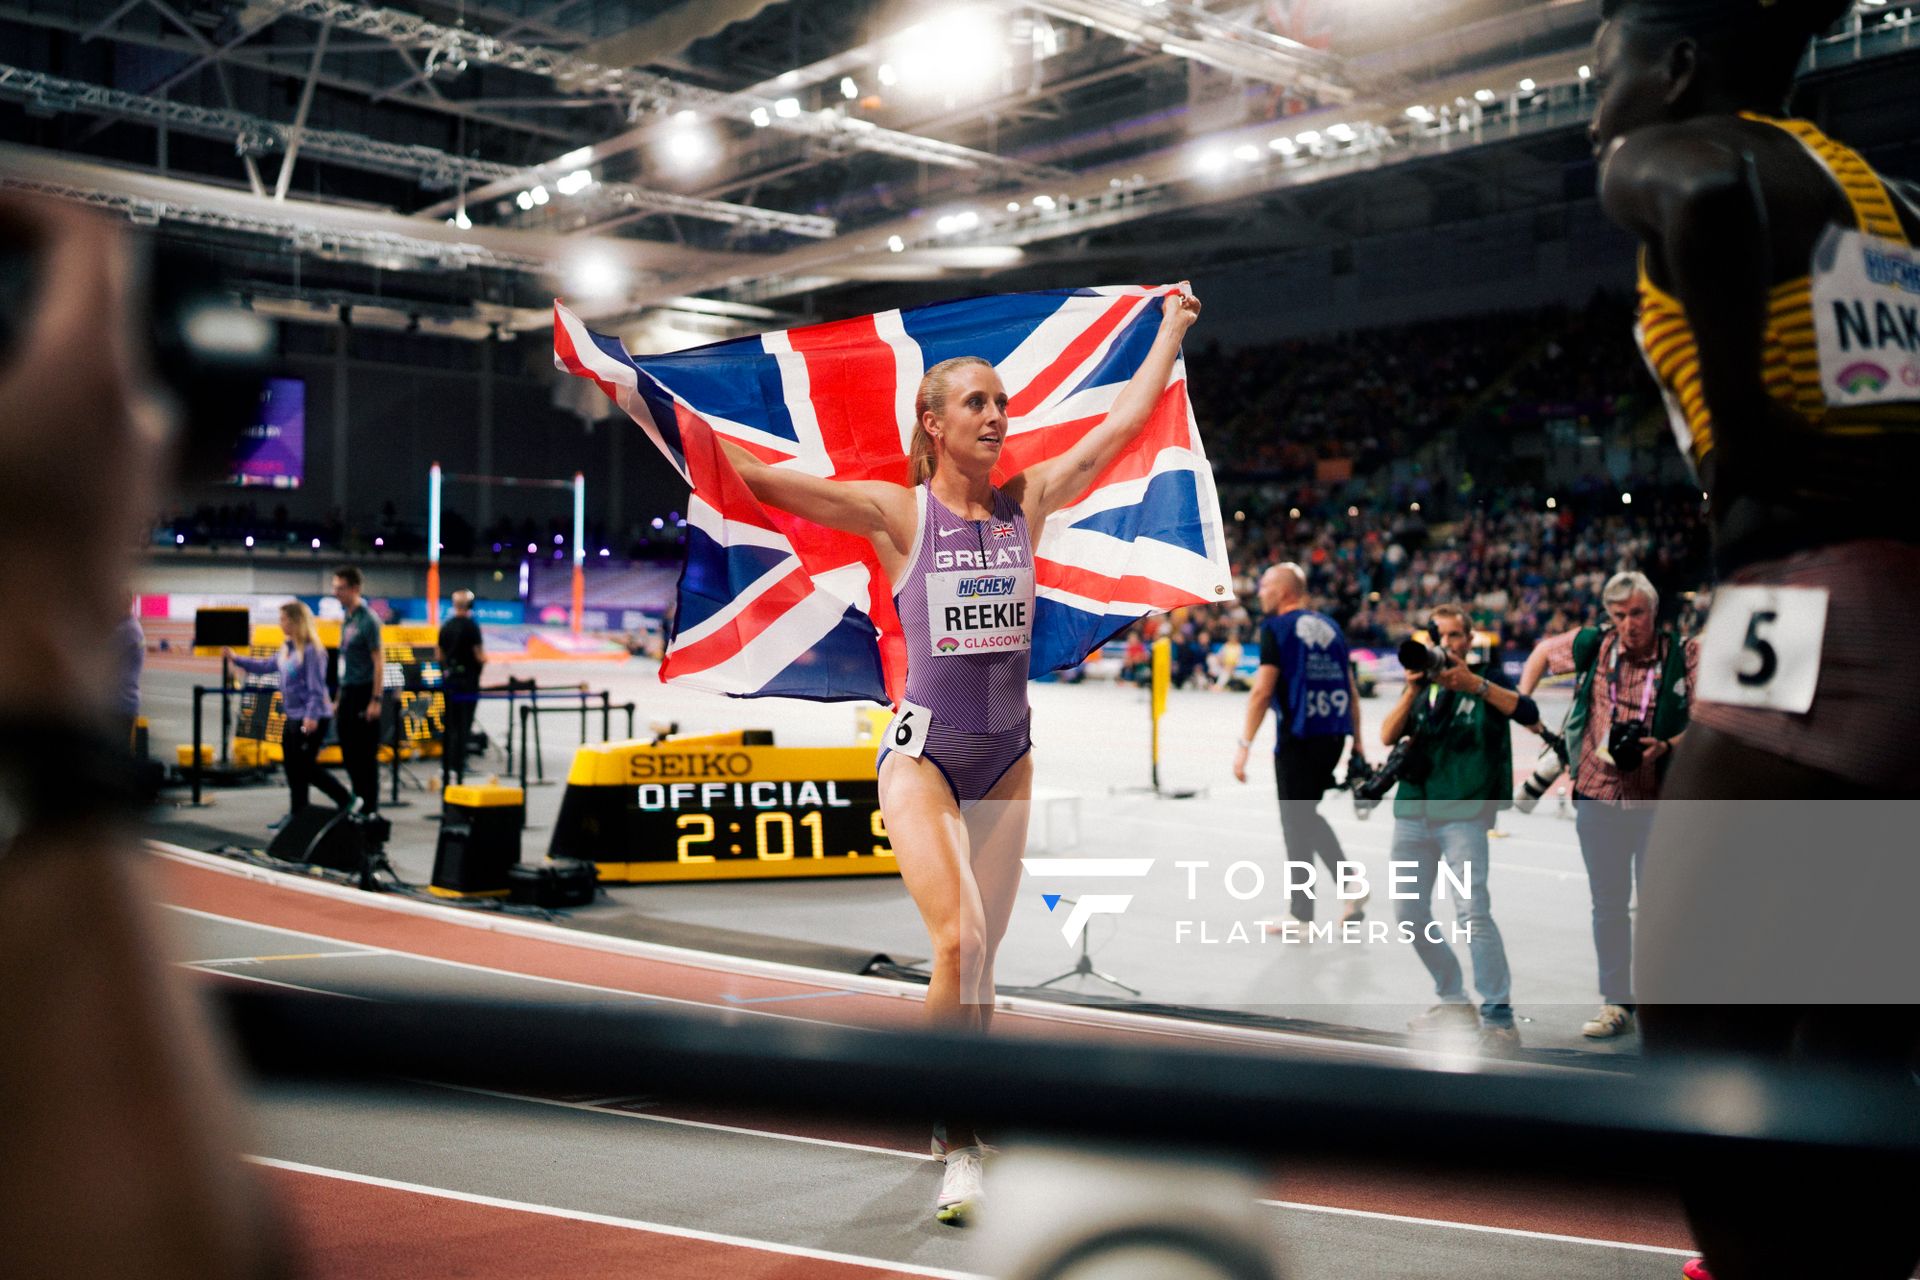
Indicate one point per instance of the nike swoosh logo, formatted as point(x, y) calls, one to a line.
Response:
point(948, 533)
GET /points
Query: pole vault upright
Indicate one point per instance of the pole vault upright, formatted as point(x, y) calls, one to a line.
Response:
point(435, 479)
point(433, 545)
point(579, 550)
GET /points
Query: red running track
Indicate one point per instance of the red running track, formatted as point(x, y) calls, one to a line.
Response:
point(360, 1229)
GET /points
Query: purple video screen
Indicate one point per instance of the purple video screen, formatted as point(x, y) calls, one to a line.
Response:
point(272, 452)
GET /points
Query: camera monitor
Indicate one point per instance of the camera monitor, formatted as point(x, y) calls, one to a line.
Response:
point(213, 628)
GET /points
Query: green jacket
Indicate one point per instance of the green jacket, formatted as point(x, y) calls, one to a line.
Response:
point(1669, 700)
point(1469, 763)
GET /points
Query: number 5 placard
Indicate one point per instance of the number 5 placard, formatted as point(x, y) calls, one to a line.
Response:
point(1761, 647)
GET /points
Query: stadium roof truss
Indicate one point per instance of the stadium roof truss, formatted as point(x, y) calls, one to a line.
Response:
point(750, 151)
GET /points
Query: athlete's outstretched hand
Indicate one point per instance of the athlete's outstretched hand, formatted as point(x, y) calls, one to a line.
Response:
point(1179, 309)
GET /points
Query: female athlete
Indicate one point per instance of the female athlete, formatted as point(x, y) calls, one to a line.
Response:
point(1758, 236)
point(956, 775)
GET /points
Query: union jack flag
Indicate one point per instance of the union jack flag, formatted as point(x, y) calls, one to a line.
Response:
point(772, 605)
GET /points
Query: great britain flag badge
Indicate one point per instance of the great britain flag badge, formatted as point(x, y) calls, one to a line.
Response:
point(1002, 530)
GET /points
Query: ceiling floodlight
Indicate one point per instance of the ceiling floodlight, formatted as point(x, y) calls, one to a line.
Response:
point(787, 108)
point(1422, 114)
point(1044, 202)
point(1013, 206)
point(760, 118)
point(1246, 153)
point(888, 76)
point(1341, 132)
point(462, 221)
point(1586, 73)
point(959, 51)
point(965, 220)
point(524, 199)
point(1484, 95)
point(895, 244)
point(687, 147)
point(1212, 161)
point(848, 89)
point(574, 183)
point(686, 117)
point(1285, 146)
point(943, 224)
point(1311, 138)
point(539, 195)
point(595, 275)
point(1526, 85)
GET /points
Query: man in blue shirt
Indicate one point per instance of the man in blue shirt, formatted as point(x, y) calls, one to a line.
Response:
point(1306, 678)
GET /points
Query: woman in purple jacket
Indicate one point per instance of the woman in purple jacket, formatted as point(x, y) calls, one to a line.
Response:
point(302, 667)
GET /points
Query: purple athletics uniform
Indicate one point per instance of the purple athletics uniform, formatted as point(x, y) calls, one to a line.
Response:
point(966, 608)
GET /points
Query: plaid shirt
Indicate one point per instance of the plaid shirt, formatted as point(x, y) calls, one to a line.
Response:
point(1595, 778)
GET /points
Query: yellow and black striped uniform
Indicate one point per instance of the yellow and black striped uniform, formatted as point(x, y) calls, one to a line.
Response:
point(1790, 359)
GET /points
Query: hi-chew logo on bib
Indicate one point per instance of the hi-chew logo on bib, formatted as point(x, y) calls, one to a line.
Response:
point(994, 586)
point(974, 613)
point(1866, 319)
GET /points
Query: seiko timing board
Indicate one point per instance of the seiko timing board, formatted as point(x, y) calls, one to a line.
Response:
point(716, 808)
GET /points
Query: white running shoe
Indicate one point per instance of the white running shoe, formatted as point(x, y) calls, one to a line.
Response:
point(961, 1192)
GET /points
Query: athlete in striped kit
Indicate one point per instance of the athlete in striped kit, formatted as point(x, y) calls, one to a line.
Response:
point(956, 775)
point(1777, 308)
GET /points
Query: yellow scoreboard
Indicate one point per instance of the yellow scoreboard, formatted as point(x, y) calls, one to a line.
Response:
point(727, 806)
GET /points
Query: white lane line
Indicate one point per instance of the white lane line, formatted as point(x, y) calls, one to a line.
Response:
point(269, 982)
point(306, 955)
point(1480, 1227)
point(734, 1011)
point(627, 1224)
point(601, 1108)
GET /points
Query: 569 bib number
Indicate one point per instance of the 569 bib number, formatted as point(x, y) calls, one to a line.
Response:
point(1762, 647)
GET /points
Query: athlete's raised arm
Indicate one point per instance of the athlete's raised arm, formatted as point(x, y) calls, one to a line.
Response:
point(1045, 487)
point(880, 512)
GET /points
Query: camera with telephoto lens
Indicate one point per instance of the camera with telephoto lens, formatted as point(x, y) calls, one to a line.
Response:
point(1359, 772)
point(1551, 764)
point(1422, 658)
point(1624, 745)
point(1404, 761)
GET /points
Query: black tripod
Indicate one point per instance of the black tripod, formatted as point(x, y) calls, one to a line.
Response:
point(1083, 968)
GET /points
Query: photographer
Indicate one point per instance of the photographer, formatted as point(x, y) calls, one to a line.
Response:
point(1458, 774)
point(119, 1152)
point(1629, 709)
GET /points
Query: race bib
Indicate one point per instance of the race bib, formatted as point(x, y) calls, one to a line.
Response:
point(1761, 647)
point(979, 611)
point(1866, 319)
point(907, 731)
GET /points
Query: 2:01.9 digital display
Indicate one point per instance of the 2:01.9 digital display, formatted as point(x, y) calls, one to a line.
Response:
point(777, 836)
point(724, 830)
